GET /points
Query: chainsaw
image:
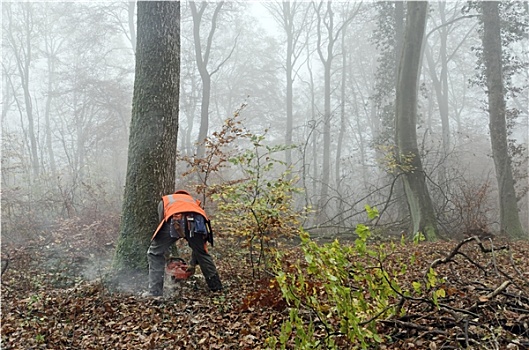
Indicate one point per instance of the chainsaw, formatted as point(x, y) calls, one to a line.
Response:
point(177, 269)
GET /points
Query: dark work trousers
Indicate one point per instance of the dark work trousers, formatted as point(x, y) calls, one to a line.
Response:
point(162, 243)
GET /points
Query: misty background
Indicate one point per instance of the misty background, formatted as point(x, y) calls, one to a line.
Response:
point(67, 83)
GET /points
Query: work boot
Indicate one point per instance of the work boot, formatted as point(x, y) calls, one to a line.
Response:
point(214, 283)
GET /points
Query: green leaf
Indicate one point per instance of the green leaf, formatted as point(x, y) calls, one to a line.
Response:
point(417, 287)
point(372, 213)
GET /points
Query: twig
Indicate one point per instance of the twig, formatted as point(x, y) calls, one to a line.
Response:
point(377, 315)
point(525, 280)
point(455, 309)
point(498, 290)
point(466, 333)
point(473, 262)
point(491, 295)
point(493, 257)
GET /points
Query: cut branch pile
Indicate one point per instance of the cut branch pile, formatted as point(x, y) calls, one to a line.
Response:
point(486, 303)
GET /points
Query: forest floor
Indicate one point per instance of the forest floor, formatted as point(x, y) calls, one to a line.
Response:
point(54, 296)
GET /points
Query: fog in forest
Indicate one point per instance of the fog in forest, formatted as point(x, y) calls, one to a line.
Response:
point(316, 83)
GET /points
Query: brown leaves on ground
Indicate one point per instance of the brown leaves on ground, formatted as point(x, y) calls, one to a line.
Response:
point(486, 301)
point(48, 302)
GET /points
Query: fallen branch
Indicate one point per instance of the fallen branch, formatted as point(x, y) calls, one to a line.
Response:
point(412, 325)
point(491, 295)
point(455, 251)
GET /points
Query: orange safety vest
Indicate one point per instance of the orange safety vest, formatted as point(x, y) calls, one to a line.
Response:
point(176, 203)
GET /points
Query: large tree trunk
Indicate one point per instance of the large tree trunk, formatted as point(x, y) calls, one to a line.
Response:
point(492, 54)
point(419, 201)
point(153, 130)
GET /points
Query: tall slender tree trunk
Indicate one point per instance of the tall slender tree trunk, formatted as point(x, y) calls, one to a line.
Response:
point(22, 48)
point(327, 64)
point(47, 112)
point(492, 54)
point(289, 18)
point(414, 179)
point(202, 59)
point(440, 84)
point(153, 130)
point(341, 132)
point(400, 195)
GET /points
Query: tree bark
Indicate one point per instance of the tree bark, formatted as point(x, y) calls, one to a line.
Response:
point(492, 55)
point(153, 130)
point(414, 179)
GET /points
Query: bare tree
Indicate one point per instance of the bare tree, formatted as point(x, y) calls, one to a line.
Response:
point(202, 56)
point(439, 73)
point(123, 15)
point(153, 130)
point(327, 36)
point(286, 13)
point(492, 55)
point(19, 18)
point(419, 201)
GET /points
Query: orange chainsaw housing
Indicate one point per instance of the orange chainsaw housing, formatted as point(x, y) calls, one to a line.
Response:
point(177, 269)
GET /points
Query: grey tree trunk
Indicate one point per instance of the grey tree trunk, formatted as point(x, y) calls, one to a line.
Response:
point(153, 130)
point(202, 59)
point(341, 132)
point(288, 26)
point(419, 201)
point(400, 195)
point(492, 54)
point(326, 60)
point(285, 14)
point(47, 112)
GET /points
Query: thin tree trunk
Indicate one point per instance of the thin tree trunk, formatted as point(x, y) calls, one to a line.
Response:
point(202, 59)
point(23, 56)
point(327, 63)
point(341, 132)
point(289, 18)
point(48, 127)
